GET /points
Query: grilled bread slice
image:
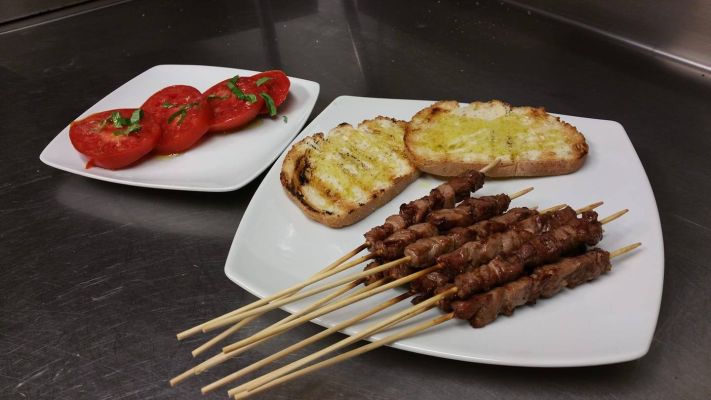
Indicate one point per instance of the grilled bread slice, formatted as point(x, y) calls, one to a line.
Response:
point(446, 139)
point(340, 178)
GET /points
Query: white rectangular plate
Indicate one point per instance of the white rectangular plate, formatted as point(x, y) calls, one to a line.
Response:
point(220, 162)
point(608, 320)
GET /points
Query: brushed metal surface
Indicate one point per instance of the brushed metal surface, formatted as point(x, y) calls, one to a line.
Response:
point(680, 30)
point(96, 278)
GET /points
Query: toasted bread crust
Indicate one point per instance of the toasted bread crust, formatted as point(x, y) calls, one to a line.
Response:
point(444, 164)
point(298, 180)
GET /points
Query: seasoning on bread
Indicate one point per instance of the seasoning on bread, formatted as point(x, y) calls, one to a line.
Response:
point(339, 178)
point(447, 139)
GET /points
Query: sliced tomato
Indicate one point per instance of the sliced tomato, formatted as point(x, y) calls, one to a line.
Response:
point(275, 83)
point(184, 117)
point(112, 139)
point(234, 103)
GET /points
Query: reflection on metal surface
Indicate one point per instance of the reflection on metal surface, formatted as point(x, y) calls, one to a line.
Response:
point(679, 30)
point(269, 37)
point(156, 210)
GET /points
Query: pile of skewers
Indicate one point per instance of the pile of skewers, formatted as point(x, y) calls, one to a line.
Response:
point(472, 257)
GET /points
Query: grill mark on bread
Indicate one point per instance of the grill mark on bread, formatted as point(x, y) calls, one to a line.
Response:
point(339, 178)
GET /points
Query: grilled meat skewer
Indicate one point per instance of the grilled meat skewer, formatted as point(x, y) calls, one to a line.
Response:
point(472, 254)
point(469, 211)
point(445, 195)
point(544, 248)
point(544, 282)
point(424, 252)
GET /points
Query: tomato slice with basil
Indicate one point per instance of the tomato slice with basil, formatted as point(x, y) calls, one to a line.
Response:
point(275, 84)
point(116, 138)
point(234, 102)
point(184, 116)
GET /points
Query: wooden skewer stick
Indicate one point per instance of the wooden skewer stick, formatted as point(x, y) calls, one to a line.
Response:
point(331, 307)
point(589, 207)
point(284, 294)
point(614, 216)
point(350, 354)
point(552, 208)
point(490, 166)
point(241, 394)
point(521, 193)
point(624, 250)
point(198, 329)
point(388, 322)
point(297, 346)
point(222, 336)
point(220, 358)
point(234, 328)
point(280, 302)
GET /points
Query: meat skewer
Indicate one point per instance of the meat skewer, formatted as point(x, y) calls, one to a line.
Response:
point(234, 376)
point(550, 280)
point(448, 293)
point(585, 271)
point(478, 243)
point(424, 252)
point(544, 248)
point(483, 211)
point(224, 356)
point(445, 195)
point(515, 214)
point(476, 252)
point(469, 211)
point(541, 249)
point(245, 346)
point(544, 282)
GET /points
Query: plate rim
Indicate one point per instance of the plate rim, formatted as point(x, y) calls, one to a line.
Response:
point(313, 89)
point(553, 362)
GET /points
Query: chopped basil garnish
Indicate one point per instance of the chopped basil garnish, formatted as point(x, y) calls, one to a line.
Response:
point(270, 103)
point(167, 105)
point(136, 116)
point(118, 120)
point(285, 118)
point(232, 85)
point(262, 81)
point(181, 113)
point(132, 124)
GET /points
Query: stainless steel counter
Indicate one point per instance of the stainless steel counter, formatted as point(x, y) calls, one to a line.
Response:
point(96, 278)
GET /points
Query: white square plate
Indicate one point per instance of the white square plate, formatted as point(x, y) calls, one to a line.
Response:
point(611, 319)
point(220, 162)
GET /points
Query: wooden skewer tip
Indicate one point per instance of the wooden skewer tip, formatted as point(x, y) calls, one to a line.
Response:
point(553, 208)
point(624, 250)
point(200, 328)
point(521, 193)
point(490, 166)
point(614, 216)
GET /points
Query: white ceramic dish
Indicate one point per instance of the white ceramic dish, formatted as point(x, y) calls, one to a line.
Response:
point(609, 320)
point(219, 163)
